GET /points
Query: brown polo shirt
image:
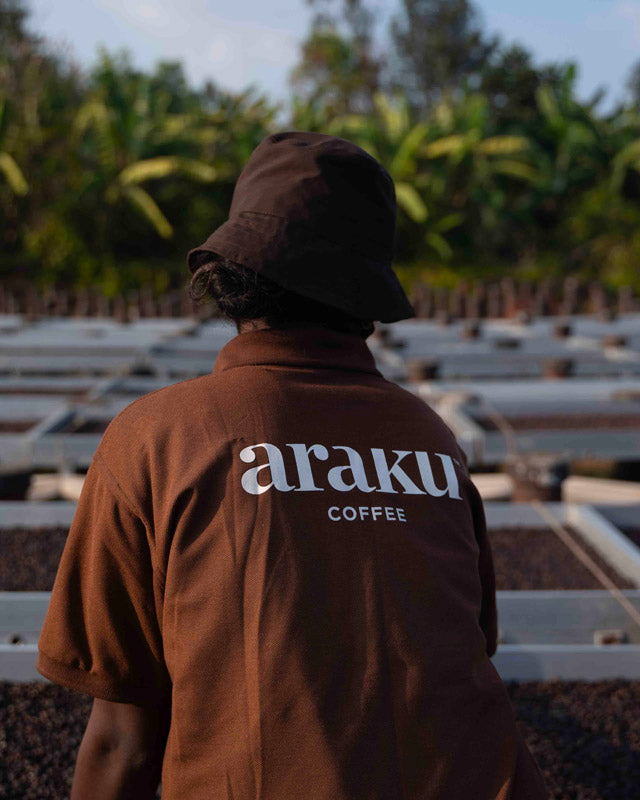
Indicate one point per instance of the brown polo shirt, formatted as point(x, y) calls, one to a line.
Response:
point(289, 551)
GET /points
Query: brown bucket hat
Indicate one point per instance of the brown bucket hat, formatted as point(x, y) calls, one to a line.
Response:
point(317, 215)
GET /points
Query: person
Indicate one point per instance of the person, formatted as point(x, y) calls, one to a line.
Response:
point(278, 582)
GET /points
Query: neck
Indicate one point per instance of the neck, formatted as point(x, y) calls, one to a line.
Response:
point(252, 325)
point(261, 324)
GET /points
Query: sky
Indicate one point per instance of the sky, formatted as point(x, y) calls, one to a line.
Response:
point(258, 41)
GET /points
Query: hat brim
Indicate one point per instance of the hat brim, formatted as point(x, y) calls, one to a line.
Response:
point(301, 261)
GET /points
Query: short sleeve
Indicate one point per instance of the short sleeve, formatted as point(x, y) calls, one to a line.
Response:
point(101, 634)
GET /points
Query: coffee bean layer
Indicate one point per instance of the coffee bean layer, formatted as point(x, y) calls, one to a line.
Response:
point(584, 736)
point(535, 558)
point(29, 558)
point(524, 558)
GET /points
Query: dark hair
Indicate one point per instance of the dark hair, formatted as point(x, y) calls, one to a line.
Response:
point(242, 294)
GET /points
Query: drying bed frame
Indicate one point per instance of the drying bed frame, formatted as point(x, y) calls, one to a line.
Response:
point(546, 634)
point(578, 401)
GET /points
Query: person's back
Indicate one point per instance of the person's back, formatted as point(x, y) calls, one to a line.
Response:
point(282, 569)
point(330, 643)
point(326, 592)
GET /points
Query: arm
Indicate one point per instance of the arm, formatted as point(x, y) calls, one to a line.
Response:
point(121, 753)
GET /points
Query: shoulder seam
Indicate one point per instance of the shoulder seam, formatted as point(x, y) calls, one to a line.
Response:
point(118, 491)
point(115, 486)
point(162, 389)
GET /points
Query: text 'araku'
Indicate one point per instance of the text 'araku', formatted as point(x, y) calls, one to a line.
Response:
point(345, 477)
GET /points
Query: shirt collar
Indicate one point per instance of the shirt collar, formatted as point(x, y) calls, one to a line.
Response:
point(297, 347)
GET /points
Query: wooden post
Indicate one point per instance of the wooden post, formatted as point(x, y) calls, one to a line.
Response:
point(186, 304)
point(614, 340)
point(626, 300)
point(32, 304)
point(62, 303)
point(120, 309)
point(477, 302)
point(164, 305)
point(48, 301)
point(569, 305)
point(419, 370)
point(103, 309)
point(536, 477)
point(471, 329)
point(82, 303)
point(508, 288)
point(540, 306)
point(381, 335)
point(597, 298)
point(554, 368)
point(147, 302)
point(525, 297)
point(422, 301)
point(457, 301)
point(427, 302)
point(494, 301)
point(133, 307)
point(561, 330)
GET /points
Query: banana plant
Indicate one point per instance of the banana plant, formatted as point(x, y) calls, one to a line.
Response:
point(464, 139)
point(485, 174)
point(8, 165)
point(128, 182)
point(123, 125)
point(435, 162)
point(393, 138)
point(627, 156)
point(571, 141)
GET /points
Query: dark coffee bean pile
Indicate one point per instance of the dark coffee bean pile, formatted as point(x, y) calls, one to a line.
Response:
point(29, 558)
point(585, 737)
point(41, 726)
point(72, 394)
point(633, 534)
point(524, 558)
point(541, 422)
point(88, 426)
point(16, 425)
point(535, 558)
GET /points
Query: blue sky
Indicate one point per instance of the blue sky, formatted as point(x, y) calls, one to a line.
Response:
point(257, 41)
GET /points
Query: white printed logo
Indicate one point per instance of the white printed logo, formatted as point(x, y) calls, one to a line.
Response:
point(345, 477)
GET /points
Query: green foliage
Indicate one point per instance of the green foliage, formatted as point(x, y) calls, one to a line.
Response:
point(438, 45)
point(108, 178)
point(338, 71)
